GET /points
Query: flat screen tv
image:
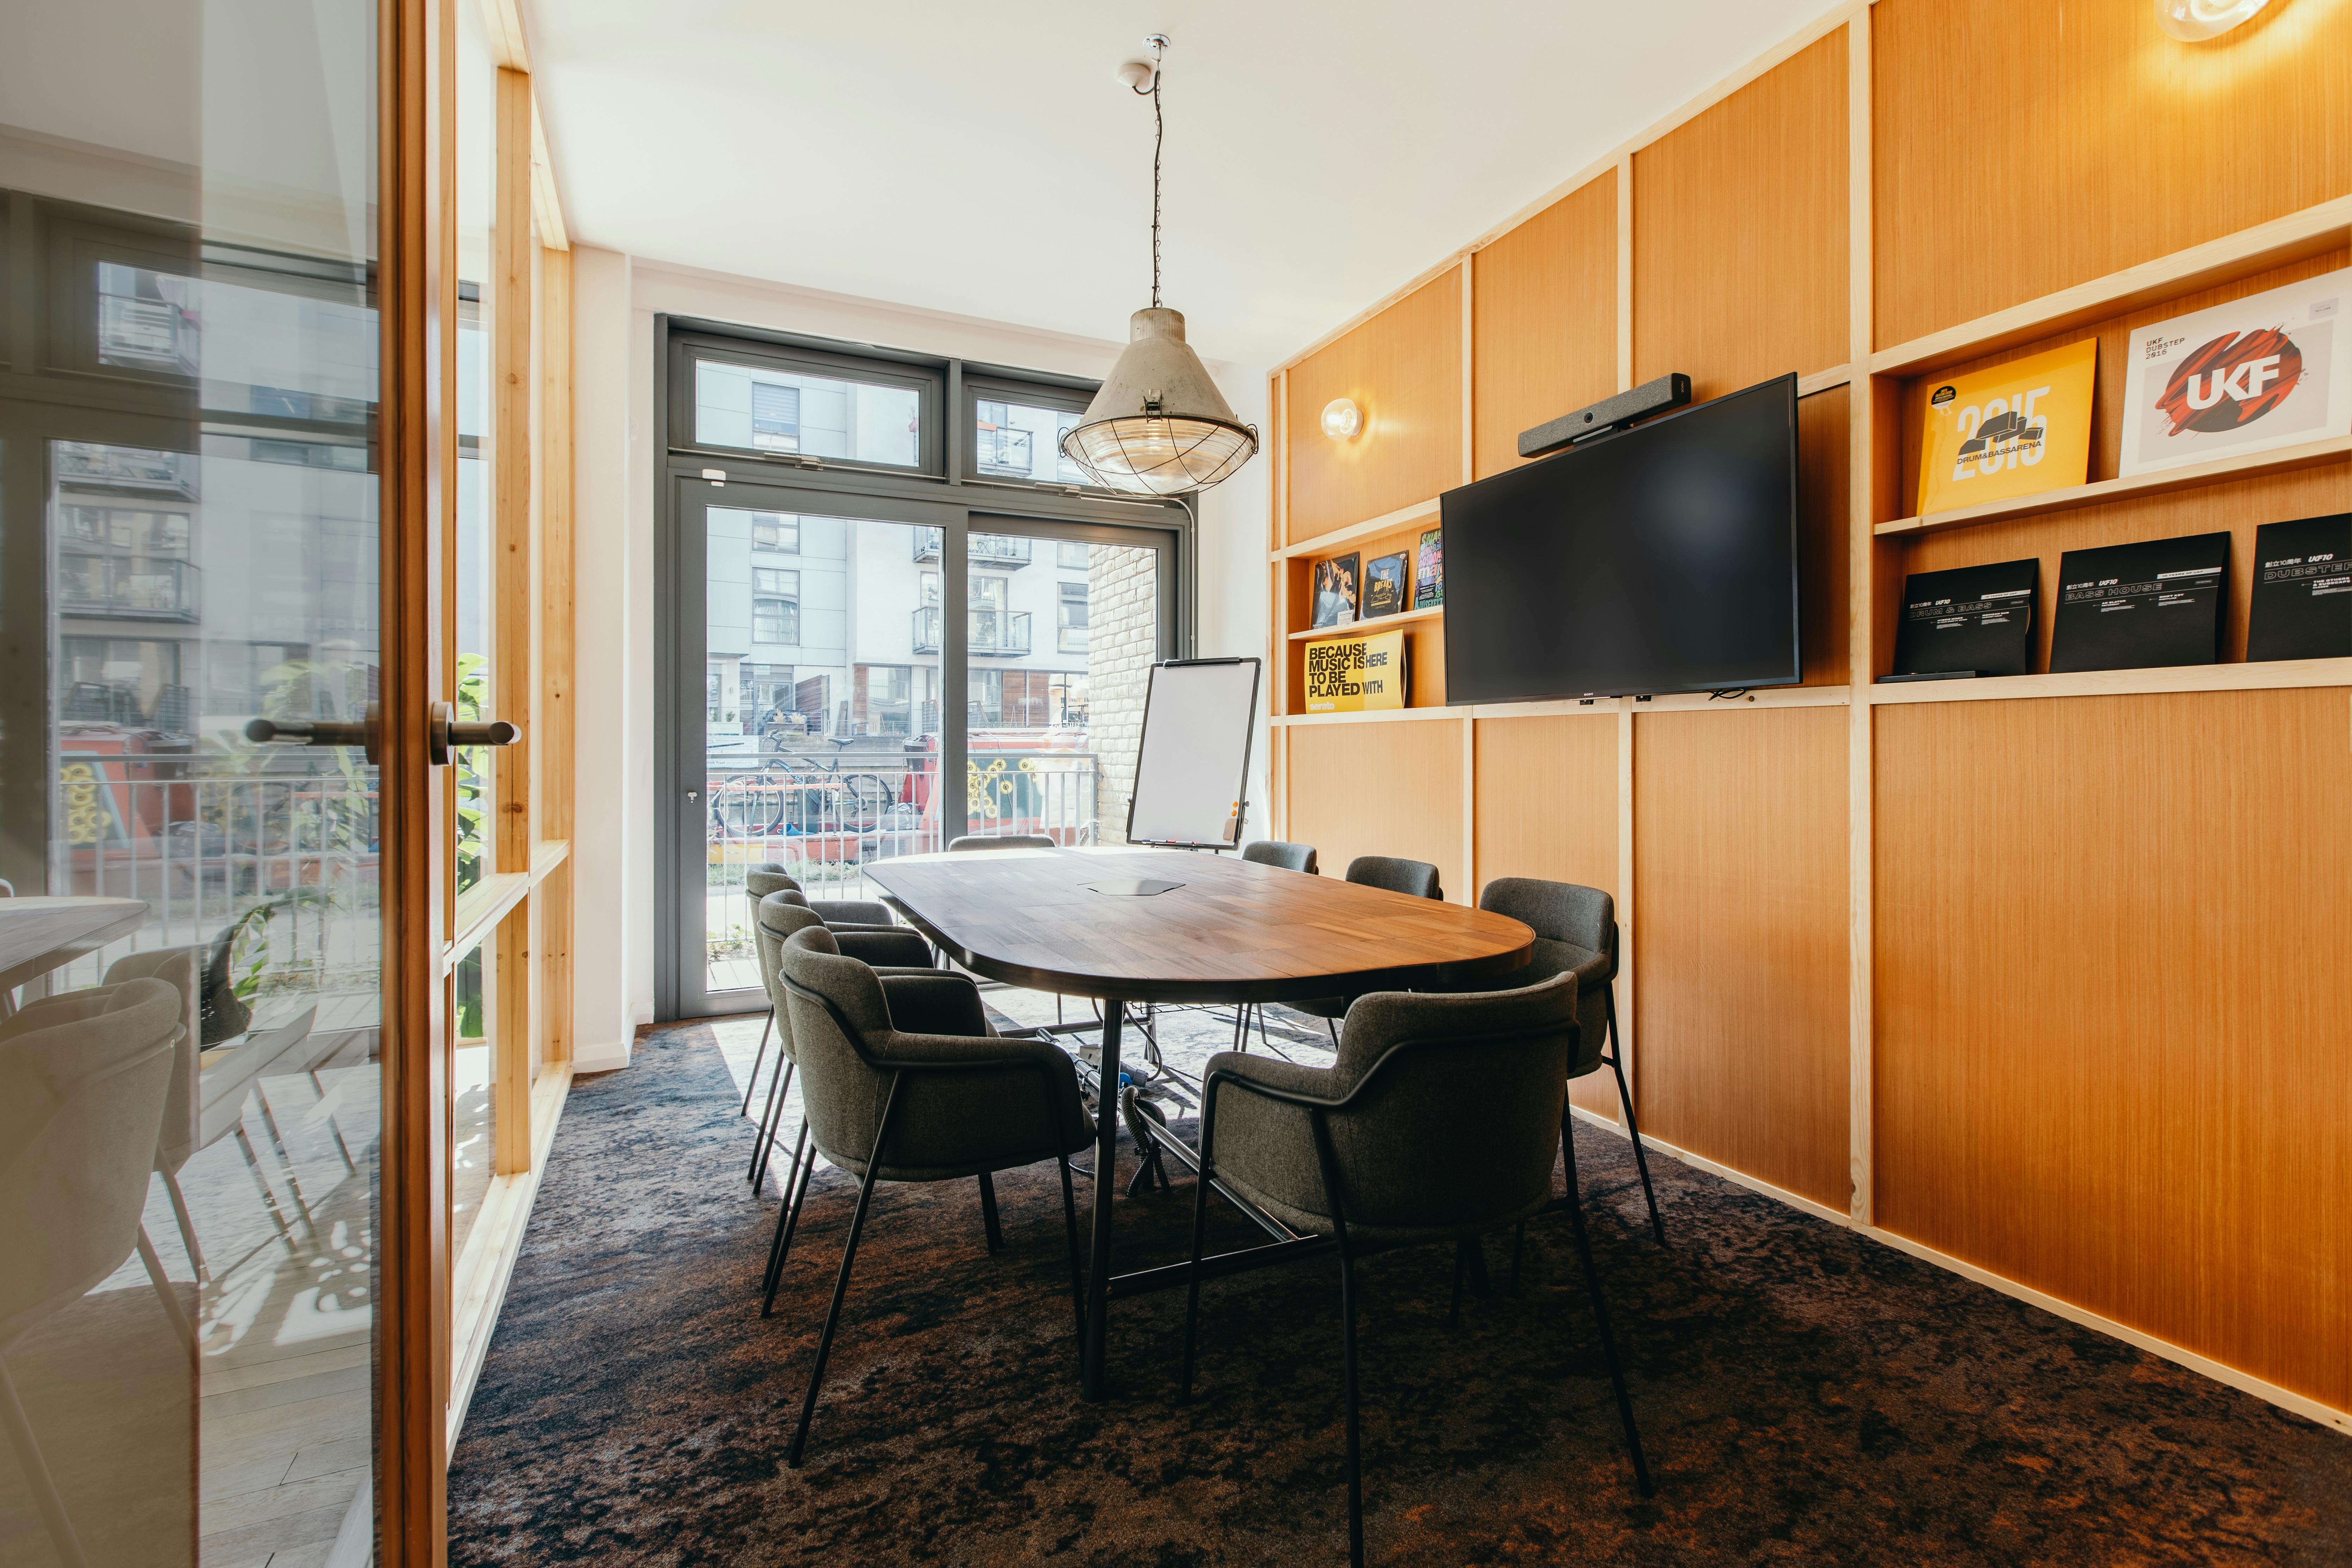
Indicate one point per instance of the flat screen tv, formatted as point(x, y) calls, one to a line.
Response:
point(1663, 558)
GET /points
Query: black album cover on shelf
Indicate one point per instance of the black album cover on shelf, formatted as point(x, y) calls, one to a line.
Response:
point(2138, 607)
point(1335, 592)
point(2303, 590)
point(1970, 620)
point(1386, 590)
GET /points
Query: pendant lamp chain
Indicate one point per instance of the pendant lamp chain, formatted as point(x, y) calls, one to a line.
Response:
point(1159, 135)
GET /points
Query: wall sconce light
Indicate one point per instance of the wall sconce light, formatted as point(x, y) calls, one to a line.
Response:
point(1342, 418)
point(2194, 21)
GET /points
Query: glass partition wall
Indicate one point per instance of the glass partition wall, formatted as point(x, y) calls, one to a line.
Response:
point(244, 1247)
point(868, 658)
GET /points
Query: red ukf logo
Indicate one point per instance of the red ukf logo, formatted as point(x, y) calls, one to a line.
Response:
point(2231, 382)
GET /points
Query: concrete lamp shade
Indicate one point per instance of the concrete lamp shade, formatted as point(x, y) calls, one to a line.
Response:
point(1159, 426)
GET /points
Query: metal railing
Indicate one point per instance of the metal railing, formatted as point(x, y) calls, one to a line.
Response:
point(825, 820)
point(992, 634)
point(142, 588)
point(1005, 550)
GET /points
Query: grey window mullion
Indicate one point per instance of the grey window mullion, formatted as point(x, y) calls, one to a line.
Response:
point(955, 679)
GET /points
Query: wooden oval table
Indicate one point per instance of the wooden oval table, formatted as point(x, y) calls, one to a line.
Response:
point(1070, 921)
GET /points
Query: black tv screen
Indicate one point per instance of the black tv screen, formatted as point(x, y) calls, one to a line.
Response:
point(1663, 558)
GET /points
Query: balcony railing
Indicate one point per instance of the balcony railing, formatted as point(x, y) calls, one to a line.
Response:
point(126, 587)
point(991, 634)
point(1003, 550)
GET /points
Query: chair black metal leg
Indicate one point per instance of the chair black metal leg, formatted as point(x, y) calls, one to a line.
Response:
point(1070, 1233)
point(772, 1124)
point(1518, 1245)
point(1334, 1028)
point(788, 1219)
point(1461, 1267)
point(1482, 1285)
point(1609, 1350)
point(841, 1281)
point(766, 1115)
point(1634, 1127)
point(1200, 1234)
point(752, 1083)
point(1355, 1432)
point(988, 1214)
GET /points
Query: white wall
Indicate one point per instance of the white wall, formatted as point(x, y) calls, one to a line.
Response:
point(615, 301)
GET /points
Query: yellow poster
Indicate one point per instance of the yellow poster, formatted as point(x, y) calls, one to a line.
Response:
point(2013, 430)
point(1349, 675)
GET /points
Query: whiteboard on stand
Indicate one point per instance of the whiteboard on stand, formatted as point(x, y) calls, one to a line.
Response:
point(1191, 771)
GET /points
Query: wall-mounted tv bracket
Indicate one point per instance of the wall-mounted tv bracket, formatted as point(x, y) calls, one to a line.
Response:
point(1610, 413)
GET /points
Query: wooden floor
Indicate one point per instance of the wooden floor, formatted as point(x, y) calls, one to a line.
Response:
point(286, 1445)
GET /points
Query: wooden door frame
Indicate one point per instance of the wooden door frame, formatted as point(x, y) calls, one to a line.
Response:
point(417, 445)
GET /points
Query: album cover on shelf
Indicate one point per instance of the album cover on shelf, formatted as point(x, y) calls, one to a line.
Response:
point(2303, 590)
point(1429, 571)
point(1972, 619)
point(1386, 590)
point(2135, 606)
point(1350, 675)
point(1335, 592)
point(2269, 370)
point(2012, 431)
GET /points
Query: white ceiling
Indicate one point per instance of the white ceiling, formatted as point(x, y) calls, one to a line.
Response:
point(981, 160)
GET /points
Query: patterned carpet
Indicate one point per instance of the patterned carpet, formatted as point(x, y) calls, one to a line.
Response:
point(1807, 1396)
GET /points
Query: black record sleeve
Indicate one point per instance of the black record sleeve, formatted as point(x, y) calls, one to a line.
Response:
point(1976, 618)
point(2138, 607)
point(2303, 590)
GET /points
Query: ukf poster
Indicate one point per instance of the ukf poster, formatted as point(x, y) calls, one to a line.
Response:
point(2267, 371)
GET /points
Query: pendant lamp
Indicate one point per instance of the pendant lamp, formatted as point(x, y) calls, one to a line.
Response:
point(1159, 426)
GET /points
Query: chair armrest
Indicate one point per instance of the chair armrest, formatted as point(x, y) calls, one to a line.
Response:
point(936, 1003)
point(1294, 1082)
point(1595, 971)
point(851, 911)
point(898, 948)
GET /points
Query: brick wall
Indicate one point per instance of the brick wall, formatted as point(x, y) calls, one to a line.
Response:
point(1122, 640)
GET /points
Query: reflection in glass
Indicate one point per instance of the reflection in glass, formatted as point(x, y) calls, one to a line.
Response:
point(1021, 441)
point(188, 542)
point(772, 410)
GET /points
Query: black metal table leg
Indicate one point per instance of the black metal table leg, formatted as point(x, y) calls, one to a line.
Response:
point(1090, 1355)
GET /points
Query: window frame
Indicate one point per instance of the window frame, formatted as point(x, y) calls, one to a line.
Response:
point(1035, 390)
point(689, 351)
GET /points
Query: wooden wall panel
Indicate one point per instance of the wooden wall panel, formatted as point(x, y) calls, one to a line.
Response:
point(1824, 516)
point(2112, 1036)
point(1403, 368)
point(2122, 145)
point(1740, 950)
point(1547, 807)
point(1544, 300)
point(1389, 788)
point(1741, 249)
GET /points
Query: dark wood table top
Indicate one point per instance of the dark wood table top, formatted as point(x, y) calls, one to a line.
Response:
point(1235, 931)
point(38, 934)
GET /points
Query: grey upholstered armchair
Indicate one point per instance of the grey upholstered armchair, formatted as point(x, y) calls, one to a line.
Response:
point(903, 1081)
point(1576, 934)
point(761, 880)
point(1413, 879)
point(1439, 1121)
point(774, 920)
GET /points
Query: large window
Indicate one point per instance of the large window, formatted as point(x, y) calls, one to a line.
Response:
point(1070, 635)
point(781, 534)
point(775, 606)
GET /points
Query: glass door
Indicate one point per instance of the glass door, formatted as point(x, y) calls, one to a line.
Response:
point(818, 644)
point(194, 1104)
point(813, 639)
